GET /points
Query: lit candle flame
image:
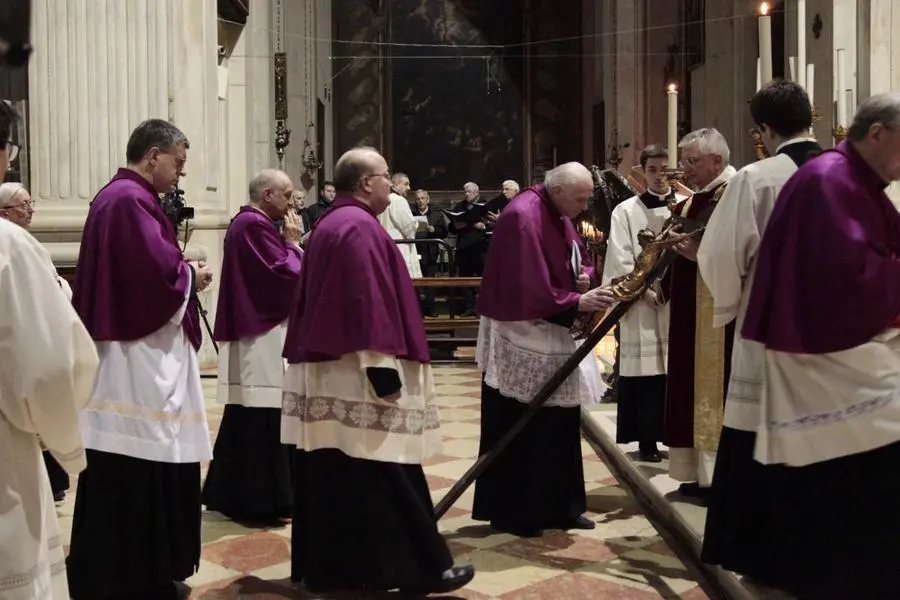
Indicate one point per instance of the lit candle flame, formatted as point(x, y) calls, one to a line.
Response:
point(764, 9)
point(673, 88)
point(587, 230)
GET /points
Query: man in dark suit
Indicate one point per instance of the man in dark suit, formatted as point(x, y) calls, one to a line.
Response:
point(429, 254)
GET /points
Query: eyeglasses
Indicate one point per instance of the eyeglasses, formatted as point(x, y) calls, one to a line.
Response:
point(386, 175)
point(12, 148)
point(24, 203)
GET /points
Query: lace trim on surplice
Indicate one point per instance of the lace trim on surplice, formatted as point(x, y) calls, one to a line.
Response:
point(519, 373)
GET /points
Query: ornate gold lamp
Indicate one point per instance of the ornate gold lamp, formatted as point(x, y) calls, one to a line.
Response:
point(839, 133)
point(282, 133)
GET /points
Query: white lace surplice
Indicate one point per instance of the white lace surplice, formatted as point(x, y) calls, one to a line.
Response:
point(518, 357)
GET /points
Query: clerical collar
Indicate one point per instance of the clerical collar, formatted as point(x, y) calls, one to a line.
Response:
point(653, 200)
point(660, 196)
point(795, 140)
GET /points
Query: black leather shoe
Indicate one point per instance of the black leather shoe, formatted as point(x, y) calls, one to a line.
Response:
point(650, 457)
point(456, 578)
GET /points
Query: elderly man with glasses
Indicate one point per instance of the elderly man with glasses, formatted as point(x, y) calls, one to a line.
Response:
point(47, 369)
point(699, 355)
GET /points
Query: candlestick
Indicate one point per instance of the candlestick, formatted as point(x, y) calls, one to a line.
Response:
point(792, 66)
point(810, 82)
point(672, 95)
point(801, 43)
point(765, 42)
point(841, 86)
point(839, 133)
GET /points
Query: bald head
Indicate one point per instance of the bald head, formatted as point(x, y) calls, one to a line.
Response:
point(267, 179)
point(363, 174)
point(875, 133)
point(570, 186)
point(272, 192)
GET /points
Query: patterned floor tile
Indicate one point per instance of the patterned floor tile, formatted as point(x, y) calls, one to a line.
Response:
point(622, 558)
point(249, 553)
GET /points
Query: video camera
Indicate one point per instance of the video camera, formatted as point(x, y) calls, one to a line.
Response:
point(15, 33)
point(175, 208)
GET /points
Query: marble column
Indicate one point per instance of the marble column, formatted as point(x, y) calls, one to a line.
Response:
point(100, 67)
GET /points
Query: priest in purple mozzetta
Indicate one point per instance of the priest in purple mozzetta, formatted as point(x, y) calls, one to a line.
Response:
point(825, 303)
point(250, 477)
point(136, 528)
point(359, 404)
point(528, 301)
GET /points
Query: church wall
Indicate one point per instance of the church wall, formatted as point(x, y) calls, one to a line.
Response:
point(662, 65)
point(446, 116)
point(726, 80)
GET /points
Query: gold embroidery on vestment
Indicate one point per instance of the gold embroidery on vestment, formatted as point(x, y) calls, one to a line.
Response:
point(709, 373)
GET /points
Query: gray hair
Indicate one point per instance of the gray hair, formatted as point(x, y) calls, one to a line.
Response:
point(567, 174)
point(398, 177)
point(265, 179)
point(709, 141)
point(880, 108)
point(9, 191)
point(470, 186)
point(153, 133)
point(351, 167)
point(512, 183)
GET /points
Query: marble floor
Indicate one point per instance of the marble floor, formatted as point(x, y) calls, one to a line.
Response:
point(624, 558)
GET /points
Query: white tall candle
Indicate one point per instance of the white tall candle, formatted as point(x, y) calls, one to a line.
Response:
point(851, 109)
point(672, 94)
point(758, 75)
point(792, 65)
point(811, 82)
point(801, 42)
point(765, 42)
point(841, 87)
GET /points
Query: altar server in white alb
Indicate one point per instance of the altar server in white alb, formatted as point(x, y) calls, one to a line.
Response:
point(399, 222)
point(47, 369)
point(136, 527)
point(250, 476)
point(644, 330)
point(727, 261)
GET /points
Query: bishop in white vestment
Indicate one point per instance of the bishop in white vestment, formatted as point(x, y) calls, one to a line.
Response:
point(249, 478)
point(136, 527)
point(644, 329)
point(47, 369)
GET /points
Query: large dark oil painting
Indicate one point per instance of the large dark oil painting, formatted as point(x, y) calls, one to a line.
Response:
point(456, 111)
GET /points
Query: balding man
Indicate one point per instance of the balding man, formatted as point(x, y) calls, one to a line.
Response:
point(825, 305)
point(359, 404)
point(531, 294)
point(699, 355)
point(249, 478)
